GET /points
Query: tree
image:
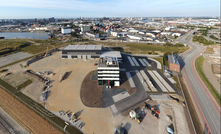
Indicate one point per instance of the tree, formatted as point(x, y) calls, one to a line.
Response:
point(73, 34)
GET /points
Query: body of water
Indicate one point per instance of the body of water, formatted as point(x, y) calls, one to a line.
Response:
point(35, 35)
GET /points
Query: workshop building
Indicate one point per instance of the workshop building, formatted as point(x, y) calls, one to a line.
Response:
point(81, 51)
point(174, 64)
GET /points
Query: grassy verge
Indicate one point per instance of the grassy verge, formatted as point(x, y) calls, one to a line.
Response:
point(199, 67)
point(187, 37)
point(176, 80)
point(213, 37)
point(38, 108)
point(142, 48)
point(201, 39)
point(193, 113)
point(25, 84)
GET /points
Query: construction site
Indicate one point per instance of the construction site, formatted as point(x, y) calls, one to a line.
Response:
point(58, 85)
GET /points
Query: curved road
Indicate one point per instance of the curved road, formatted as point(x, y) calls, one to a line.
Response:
point(207, 108)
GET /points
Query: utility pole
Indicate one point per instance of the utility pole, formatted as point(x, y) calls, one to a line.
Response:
point(116, 41)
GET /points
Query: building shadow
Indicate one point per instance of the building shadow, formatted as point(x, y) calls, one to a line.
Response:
point(79, 113)
point(127, 126)
point(182, 63)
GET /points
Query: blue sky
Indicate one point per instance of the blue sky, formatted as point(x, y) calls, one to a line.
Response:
point(18, 9)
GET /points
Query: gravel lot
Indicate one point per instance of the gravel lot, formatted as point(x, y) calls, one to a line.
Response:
point(13, 57)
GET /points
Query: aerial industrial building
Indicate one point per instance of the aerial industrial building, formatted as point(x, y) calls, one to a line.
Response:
point(65, 30)
point(108, 71)
point(174, 65)
point(81, 51)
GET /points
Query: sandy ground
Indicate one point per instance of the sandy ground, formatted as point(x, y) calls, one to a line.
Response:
point(207, 67)
point(34, 90)
point(65, 96)
point(170, 113)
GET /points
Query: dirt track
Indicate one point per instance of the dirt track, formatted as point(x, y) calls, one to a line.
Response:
point(28, 117)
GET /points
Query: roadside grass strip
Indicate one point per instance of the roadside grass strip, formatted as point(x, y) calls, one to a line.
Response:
point(147, 63)
point(131, 82)
point(163, 81)
point(157, 81)
point(135, 61)
point(142, 63)
point(141, 80)
point(148, 81)
point(199, 67)
point(131, 62)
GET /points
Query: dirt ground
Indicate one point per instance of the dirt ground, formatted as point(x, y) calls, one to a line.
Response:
point(34, 90)
point(212, 72)
point(35, 123)
point(216, 69)
point(65, 95)
point(91, 92)
point(171, 114)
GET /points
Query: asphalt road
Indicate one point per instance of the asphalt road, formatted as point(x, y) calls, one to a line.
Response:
point(208, 110)
point(141, 94)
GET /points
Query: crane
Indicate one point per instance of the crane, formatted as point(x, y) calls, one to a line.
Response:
point(46, 52)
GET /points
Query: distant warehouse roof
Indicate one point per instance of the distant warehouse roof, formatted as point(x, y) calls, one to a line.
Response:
point(173, 59)
point(83, 47)
point(116, 54)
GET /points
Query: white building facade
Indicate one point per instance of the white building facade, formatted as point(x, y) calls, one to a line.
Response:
point(108, 71)
point(65, 30)
point(85, 28)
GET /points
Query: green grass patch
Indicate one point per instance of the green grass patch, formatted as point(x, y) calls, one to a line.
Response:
point(199, 67)
point(213, 37)
point(38, 108)
point(187, 37)
point(25, 84)
point(144, 48)
point(201, 39)
point(177, 82)
point(33, 49)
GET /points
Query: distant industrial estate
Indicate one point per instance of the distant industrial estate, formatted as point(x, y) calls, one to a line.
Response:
point(110, 75)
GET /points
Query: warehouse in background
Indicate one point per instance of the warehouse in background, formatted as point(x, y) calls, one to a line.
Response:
point(81, 51)
point(65, 30)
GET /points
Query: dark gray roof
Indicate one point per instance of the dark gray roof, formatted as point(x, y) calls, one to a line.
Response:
point(173, 59)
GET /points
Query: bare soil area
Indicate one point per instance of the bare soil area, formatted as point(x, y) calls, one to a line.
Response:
point(15, 79)
point(91, 92)
point(34, 90)
point(35, 123)
point(172, 115)
point(216, 68)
